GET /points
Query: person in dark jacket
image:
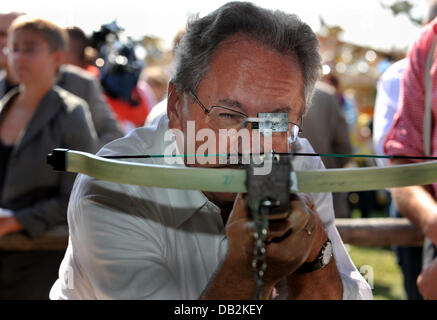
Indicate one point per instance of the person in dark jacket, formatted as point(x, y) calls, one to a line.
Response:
point(71, 78)
point(36, 117)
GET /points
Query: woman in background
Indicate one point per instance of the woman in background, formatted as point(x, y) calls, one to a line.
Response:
point(35, 118)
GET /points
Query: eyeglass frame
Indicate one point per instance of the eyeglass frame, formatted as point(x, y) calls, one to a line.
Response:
point(196, 98)
point(212, 107)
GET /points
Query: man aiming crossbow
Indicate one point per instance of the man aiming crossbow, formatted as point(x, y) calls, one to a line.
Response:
point(133, 242)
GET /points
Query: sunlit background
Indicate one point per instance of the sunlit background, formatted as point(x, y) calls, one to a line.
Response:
point(365, 23)
point(359, 40)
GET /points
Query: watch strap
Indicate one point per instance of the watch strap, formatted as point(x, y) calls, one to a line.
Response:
point(314, 265)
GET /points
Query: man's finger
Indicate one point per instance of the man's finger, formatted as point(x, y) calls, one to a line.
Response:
point(239, 210)
point(299, 215)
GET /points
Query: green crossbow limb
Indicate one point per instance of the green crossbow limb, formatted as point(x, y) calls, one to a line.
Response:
point(233, 180)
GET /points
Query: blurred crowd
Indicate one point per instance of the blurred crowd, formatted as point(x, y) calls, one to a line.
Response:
point(59, 88)
point(62, 88)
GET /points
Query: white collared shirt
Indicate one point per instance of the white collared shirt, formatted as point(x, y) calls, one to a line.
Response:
point(386, 106)
point(132, 242)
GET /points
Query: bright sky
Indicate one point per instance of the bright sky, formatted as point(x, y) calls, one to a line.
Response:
point(365, 22)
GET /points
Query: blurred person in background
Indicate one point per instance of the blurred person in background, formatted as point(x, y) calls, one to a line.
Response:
point(84, 85)
point(348, 105)
point(367, 202)
point(359, 134)
point(418, 203)
point(6, 80)
point(120, 67)
point(157, 80)
point(161, 107)
point(80, 77)
point(78, 47)
point(73, 79)
point(327, 130)
point(386, 106)
point(157, 83)
point(35, 117)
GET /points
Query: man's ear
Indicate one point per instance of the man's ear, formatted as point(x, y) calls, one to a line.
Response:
point(174, 107)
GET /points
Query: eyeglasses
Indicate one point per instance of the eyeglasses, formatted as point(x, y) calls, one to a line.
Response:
point(220, 117)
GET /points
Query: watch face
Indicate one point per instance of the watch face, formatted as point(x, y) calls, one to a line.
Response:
point(327, 253)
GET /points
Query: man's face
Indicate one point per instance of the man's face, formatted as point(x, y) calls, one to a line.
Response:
point(250, 78)
point(5, 22)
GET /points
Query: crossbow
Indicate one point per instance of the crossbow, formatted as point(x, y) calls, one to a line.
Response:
point(233, 180)
point(110, 168)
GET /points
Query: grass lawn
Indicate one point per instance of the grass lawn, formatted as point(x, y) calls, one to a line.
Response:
point(387, 276)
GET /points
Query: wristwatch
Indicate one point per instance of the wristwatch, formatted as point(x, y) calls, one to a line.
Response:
point(322, 260)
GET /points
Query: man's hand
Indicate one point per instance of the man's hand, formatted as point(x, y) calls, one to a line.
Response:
point(289, 241)
point(321, 284)
point(418, 205)
point(430, 227)
point(285, 256)
point(427, 281)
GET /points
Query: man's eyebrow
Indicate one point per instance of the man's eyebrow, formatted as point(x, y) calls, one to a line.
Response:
point(231, 103)
point(235, 104)
point(286, 109)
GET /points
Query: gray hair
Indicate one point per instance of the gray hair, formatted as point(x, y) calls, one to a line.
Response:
point(282, 32)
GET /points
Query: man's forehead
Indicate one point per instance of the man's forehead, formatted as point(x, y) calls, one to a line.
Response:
point(235, 42)
point(247, 74)
point(242, 54)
